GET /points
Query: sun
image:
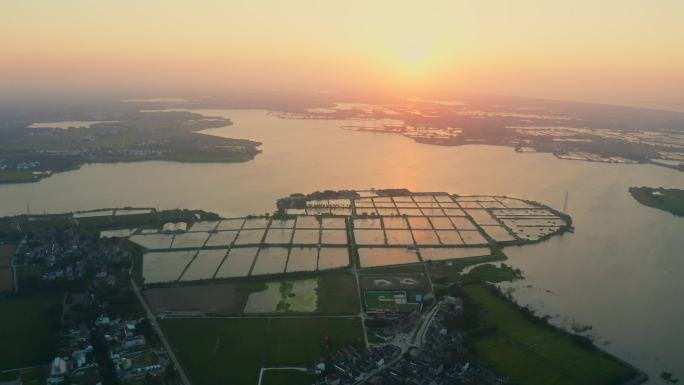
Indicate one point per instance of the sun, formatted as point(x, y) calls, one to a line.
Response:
point(413, 57)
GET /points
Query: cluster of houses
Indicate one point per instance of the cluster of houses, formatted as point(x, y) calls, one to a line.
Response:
point(128, 348)
point(75, 362)
point(62, 256)
point(442, 360)
point(350, 365)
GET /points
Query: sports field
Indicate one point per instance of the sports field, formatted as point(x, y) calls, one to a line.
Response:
point(532, 354)
point(231, 351)
point(383, 299)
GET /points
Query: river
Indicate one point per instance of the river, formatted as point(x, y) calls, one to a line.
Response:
point(620, 272)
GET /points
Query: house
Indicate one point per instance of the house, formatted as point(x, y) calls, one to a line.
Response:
point(79, 359)
point(58, 370)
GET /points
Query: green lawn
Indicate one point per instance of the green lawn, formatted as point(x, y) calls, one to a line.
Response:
point(231, 351)
point(287, 377)
point(27, 331)
point(532, 354)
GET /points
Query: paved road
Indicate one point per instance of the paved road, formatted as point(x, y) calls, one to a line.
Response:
point(162, 337)
point(261, 372)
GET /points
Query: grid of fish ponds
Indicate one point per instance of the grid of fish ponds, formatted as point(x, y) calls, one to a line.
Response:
point(416, 231)
point(204, 264)
point(387, 230)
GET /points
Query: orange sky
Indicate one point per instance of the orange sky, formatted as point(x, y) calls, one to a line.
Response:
point(622, 52)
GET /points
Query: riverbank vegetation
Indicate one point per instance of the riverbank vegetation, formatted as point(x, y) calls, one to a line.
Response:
point(515, 342)
point(670, 200)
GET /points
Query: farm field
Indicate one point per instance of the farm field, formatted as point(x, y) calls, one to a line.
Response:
point(531, 354)
point(287, 377)
point(27, 331)
point(231, 351)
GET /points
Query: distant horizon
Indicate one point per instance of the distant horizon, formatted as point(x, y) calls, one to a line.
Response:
point(612, 52)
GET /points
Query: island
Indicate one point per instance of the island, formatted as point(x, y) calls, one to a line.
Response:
point(670, 200)
point(572, 131)
point(29, 153)
point(333, 287)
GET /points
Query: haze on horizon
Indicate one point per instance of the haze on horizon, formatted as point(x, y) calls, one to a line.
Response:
point(618, 52)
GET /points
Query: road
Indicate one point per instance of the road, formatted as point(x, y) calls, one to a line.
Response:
point(261, 372)
point(162, 337)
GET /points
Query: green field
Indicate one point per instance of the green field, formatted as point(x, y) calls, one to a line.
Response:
point(337, 294)
point(670, 200)
point(231, 351)
point(532, 354)
point(18, 177)
point(287, 377)
point(31, 376)
point(28, 331)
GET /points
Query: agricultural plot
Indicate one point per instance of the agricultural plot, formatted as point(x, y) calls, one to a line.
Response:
point(285, 296)
point(307, 222)
point(369, 237)
point(399, 237)
point(270, 260)
point(250, 237)
point(334, 223)
point(441, 223)
point(28, 327)
point(232, 351)
point(279, 236)
point(221, 238)
point(367, 223)
point(256, 223)
point(334, 237)
point(237, 263)
point(395, 223)
point(165, 266)
point(306, 237)
point(383, 256)
point(204, 226)
point(302, 259)
point(332, 258)
point(498, 233)
point(204, 265)
point(472, 237)
point(449, 237)
point(420, 223)
point(153, 241)
point(189, 240)
point(425, 237)
point(482, 217)
point(230, 224)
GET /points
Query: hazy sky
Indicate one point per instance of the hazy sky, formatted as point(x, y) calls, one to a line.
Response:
point(615, 51)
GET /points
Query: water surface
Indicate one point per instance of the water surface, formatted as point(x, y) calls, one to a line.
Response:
point(621, 271)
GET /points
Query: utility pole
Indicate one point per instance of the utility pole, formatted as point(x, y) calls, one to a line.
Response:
point(565, 203)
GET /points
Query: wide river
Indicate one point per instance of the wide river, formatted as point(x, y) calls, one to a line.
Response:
point(621, 272)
